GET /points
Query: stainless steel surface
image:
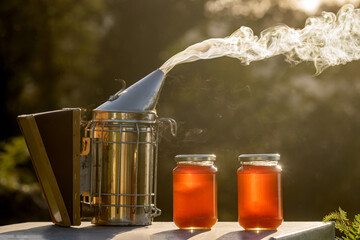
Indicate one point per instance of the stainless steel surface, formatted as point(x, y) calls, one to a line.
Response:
point(124, 143)
point(195, 157)
point(124, 166)
point(142, 96)
point(84, 173)
point(259, 157)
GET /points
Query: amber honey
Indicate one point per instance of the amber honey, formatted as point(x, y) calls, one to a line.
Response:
point(259, 196)
point(194, 195)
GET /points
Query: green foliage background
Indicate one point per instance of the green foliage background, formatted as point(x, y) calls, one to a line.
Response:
point(348, 230)
point(68, 53)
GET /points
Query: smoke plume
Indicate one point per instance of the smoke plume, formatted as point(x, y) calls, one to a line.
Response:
point(328, 40)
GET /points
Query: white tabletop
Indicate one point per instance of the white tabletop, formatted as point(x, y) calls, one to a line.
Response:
point(166, 230)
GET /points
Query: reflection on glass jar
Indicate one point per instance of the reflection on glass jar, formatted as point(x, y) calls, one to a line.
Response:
point(259, 192)
point(195, 191)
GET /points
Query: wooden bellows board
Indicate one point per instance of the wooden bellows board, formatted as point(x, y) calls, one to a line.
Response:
point(53, 140)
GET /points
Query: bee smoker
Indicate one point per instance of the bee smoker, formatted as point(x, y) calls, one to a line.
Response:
point(112, 179)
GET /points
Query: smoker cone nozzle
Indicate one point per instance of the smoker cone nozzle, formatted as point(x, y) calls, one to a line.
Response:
point(142, 96)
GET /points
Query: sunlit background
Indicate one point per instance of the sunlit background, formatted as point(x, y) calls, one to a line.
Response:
point(68, 54)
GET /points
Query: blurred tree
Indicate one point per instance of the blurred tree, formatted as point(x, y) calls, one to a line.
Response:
point(45, 49)
point(19, 190)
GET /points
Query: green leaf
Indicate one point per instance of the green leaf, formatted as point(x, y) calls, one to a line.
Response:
point(349, 230)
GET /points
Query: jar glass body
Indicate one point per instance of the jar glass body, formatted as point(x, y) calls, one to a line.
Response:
point(195, 195)
point(259, 195)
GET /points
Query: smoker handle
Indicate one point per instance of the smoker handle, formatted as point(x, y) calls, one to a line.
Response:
point(173, 125)
point(155, 212)
point(116, 95)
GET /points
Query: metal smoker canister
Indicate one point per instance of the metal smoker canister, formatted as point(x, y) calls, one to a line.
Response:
point(112, 180)
point(124, 144)
point(124, 167)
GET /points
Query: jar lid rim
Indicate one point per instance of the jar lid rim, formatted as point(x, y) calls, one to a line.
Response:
point(195, 157)
point(259, 157)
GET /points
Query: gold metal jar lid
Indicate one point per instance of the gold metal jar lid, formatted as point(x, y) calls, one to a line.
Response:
point(259, 157)
point(195, 157)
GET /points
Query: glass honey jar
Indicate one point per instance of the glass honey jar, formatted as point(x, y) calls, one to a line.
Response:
point(259, 192)
point(195, 191)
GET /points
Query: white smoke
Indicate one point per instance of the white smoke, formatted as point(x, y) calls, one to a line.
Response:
point(327, 40)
